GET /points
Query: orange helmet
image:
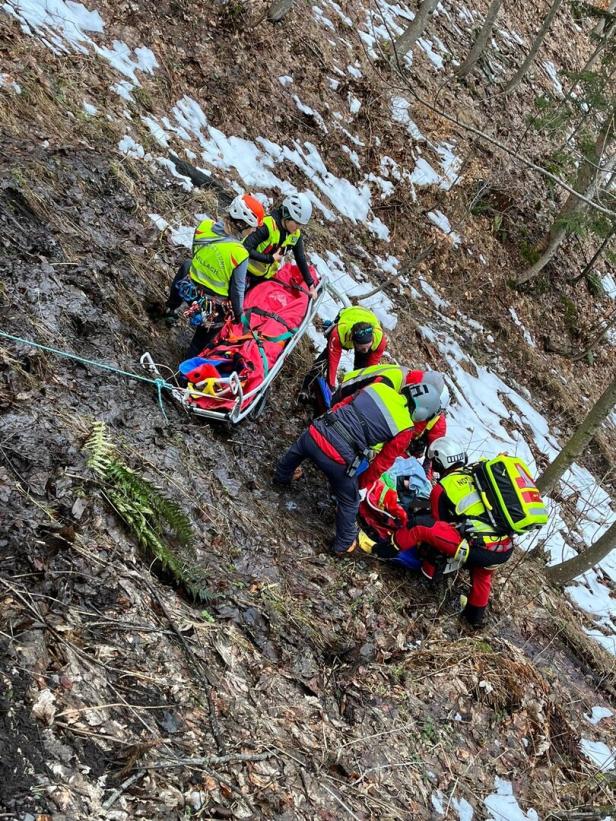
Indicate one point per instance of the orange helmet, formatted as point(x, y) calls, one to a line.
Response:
point(247, 209)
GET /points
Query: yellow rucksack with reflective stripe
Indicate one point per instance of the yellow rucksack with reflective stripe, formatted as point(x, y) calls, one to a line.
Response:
point(510, 495)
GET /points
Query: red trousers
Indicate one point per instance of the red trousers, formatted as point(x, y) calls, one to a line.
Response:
point(446, 539)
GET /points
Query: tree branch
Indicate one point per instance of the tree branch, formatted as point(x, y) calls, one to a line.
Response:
point(494, 142)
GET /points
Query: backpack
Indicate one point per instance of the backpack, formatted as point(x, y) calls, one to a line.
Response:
point(510, 495)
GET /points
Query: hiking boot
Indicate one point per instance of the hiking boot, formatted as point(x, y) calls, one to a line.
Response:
point(342, 551)
point(473, 617)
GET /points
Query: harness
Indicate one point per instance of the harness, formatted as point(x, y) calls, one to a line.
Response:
point(362, 457)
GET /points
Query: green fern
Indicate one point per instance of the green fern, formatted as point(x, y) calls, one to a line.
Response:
point(153, 519)
point(99, 449)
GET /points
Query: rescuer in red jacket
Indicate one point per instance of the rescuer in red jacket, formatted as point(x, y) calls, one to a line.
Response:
point(341, 444)
point(397, 376)
point(458, 527)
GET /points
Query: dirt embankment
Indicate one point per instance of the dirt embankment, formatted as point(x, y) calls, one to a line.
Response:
point(300, 687)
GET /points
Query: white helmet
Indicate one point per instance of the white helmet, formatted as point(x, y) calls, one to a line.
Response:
point(435, 378)
point(446, 454)
point(424, 400)
point(247, 209)
point(298, 208)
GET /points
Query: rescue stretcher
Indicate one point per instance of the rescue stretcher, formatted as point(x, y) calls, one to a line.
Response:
point(231, 378)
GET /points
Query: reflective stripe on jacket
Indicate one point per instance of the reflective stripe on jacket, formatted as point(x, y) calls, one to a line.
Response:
point(376, 414)
point(464, 499)
point(270, 246)
point(394, 375)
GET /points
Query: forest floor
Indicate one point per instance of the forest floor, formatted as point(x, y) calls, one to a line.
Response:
point(300, 686)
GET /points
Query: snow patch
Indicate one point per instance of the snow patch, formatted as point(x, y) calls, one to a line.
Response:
point(439, 219)
point(285, 81)
point(6, 81)
point(427, 48)
point(525, 332)
point(503, 806)
point(322, 19)
point(599, 753)
point(598, 714)
point(354, 104)
point(60, 25)
point(131, 148)
point(552, 72)
point(400, 114)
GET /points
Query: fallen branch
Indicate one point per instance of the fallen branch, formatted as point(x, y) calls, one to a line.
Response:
point(106, 805)
point(196, 664)
point(208, 760)
point(421, 256)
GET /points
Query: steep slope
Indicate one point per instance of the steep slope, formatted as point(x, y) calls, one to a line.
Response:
point(300, 687)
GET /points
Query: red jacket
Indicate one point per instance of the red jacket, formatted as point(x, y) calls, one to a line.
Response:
point(334, 352)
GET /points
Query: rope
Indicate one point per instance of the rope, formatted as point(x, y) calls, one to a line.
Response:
point(159, 383)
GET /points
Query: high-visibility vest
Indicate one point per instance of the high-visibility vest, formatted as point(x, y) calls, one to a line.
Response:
point(269, 246)
point(215, 258)
point(349, 317)
point(392, 405)
point(465, 499)
point(394, 375)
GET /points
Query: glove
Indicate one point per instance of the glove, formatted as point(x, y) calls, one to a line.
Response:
point(385, 550)
point(365, 542)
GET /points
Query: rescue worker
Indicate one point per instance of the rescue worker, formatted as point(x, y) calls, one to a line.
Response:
point(356, 329)
point(340, 444)
point(457, 527)
point(280, 232)
point(397, 376)
point(217, 269)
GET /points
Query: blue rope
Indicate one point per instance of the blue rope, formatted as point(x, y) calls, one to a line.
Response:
point(159, 383)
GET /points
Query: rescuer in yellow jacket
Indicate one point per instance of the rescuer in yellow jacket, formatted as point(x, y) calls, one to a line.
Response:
point(217, 268)
point(279, 233)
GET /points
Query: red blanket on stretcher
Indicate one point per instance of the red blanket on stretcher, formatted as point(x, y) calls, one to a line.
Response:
point(273, 310)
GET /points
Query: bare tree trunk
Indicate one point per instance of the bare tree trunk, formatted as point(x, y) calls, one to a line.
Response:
point(567, 571)
point(278, 9)
point(579, 440)
point(587, 182)
point(536, 45)
point(408, 38)
point(598, 30)
point(589, 265)
point(480, 43)
point(553, 245)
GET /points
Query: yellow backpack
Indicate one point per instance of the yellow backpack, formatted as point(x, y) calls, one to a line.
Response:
point(510, 495)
